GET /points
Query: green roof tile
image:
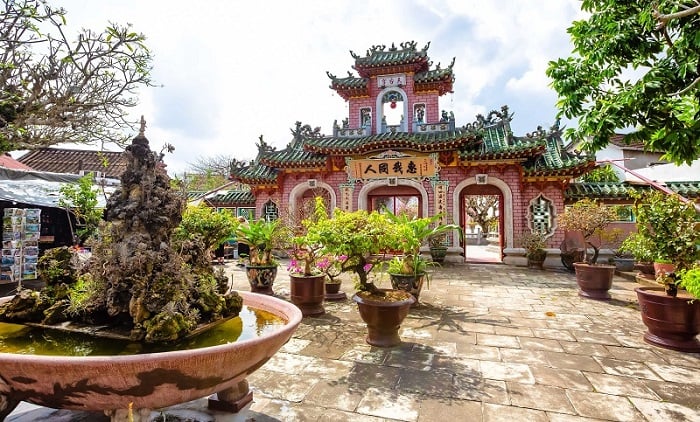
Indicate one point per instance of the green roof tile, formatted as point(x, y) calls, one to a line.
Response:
point(622, 190)
point(423, 141)
point(232, 197)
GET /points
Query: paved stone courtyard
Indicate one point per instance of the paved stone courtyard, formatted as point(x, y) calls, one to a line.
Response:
point(486, 343)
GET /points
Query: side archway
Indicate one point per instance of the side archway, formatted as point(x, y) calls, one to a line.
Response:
point(297, 193)
point(507, 204)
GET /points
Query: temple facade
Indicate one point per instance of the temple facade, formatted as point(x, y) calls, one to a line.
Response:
point(397, 149)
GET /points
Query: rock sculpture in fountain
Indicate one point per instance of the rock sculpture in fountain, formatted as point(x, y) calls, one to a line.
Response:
point(142, 288)
point(138, 283)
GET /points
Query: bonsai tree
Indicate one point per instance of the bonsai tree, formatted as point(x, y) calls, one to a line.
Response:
point(671, 226)
point(359, 236)
point(590, 218)
point(639, 246)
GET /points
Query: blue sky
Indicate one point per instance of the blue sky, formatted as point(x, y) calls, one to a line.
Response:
point(231, 70)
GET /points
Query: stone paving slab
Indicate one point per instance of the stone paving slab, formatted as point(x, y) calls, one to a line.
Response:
point(488, 342)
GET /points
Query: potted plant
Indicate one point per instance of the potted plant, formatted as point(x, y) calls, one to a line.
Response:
point(590, 218)
point(641, 250)
point(534, 244)
point(408, 270)
point(438, 247)
point(673, 322)
point(361, 237)
point(330, 265)
point(261, 266)
point(671, 227)
point(306, 278)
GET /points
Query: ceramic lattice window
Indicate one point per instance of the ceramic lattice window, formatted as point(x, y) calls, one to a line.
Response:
point(270, 211)
point(540, 215)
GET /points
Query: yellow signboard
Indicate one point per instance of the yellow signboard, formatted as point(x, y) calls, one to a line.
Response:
point(403, 167)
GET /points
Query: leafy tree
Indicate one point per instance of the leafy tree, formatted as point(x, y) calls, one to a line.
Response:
point(635, 64)
point(81, 198)
point(482, 209)
point(53, 90)
point(601, 174)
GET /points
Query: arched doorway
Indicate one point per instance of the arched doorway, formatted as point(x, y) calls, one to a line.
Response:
point(481, 218)
point(301, 200)
point(396, 199)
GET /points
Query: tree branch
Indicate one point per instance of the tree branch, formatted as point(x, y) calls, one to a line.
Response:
point(686, 89)
point(665, 19)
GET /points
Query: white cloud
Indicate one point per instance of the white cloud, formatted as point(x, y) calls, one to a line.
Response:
point(232, 71)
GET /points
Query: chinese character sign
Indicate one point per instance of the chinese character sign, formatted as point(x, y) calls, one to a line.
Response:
point(405, 167)
point(386, 81)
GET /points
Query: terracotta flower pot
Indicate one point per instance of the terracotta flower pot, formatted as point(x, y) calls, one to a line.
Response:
point(664, 267)
point(594, 280)
point(333, 292)
point(383, 318)
point(261, 278)
point(672, 322)
point(307, 292)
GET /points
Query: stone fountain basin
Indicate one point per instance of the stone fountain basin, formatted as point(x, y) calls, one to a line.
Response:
point(145, 381)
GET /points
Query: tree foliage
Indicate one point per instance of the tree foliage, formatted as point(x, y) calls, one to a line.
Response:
point(55, 90)
point(603, 173)
point(635, 64)
point(81, 198)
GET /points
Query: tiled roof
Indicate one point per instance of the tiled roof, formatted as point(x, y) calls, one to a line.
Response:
point(378, 57)
point(255, 174)
point(293, 158)
point(58, 160)
point(621, 191)
point(422, 141)
point(232, 197)
point(618, 140)
point(7, 161)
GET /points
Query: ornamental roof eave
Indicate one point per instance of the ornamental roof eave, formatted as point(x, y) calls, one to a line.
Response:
point(622, 190)
point(441, 80)
point(572, 168)
point(405, 58)
point(350, 86)
point(230, 198)
point(521, 151)
point(422, 142)
point(255, 174)
point(293, 158)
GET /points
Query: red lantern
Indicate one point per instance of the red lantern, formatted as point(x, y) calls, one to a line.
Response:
point(393, 104)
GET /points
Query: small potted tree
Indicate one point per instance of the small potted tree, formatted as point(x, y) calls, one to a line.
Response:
point(306, 276)
point(261, 236)
point(668, 224)
point(672, 227)
point(534, 244)
point(590, 218)
point(361, 237)
point(641, 249)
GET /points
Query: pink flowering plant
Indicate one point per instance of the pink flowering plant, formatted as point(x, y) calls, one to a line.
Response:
point(305, 259)
point(331, 265)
